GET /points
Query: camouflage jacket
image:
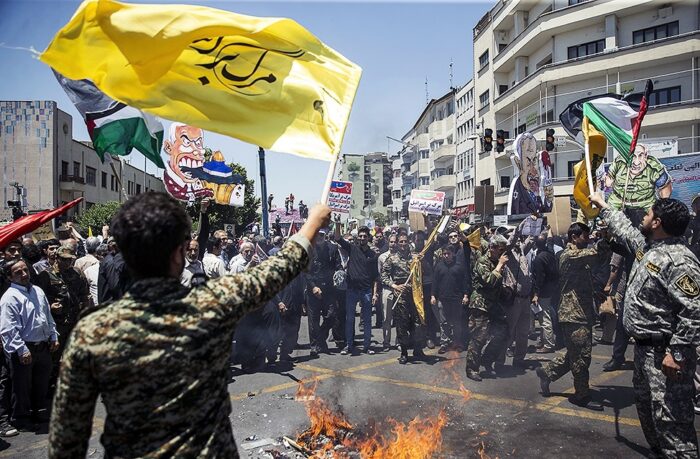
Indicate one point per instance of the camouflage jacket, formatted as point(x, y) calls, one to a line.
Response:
point(576, 281)
point(395, 270)
point(71, 289)
point(662, 290)
point(160, 359)
point(487, 295)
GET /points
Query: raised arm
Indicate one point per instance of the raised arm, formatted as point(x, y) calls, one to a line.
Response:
point(619, 225)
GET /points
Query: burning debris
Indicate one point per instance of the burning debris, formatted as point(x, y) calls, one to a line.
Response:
point(331, 435)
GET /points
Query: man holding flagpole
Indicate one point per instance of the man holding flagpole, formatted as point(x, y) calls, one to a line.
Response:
point(165, 397)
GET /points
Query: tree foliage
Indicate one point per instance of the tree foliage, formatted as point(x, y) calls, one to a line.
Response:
point(379, 219)
point(97, 216)
point(219, 215)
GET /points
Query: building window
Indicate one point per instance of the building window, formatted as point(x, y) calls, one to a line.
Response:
point(522, 128)
point(484, 99)
point(484, 60)
point(655, 33)
point(90, 175)
point(104, 180)
point(665, 96)
point(425, 180)
point(570, 168)
point(586, 49)
point(76, 169)
point(112, 183)
point(138, 188)
point(424, 154)
point(505, 181)
point(502, 88)
point(64, 168)
point(576, 2)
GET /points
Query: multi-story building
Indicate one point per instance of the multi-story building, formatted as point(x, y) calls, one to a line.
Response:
point(371, 178)
point(427, 161)
point(37, 151)
point(465, 140)
point(533, 58)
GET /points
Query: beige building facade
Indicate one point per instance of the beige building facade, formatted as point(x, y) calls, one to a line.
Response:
point(371, 178)
point(533, 58)
point(38, 152)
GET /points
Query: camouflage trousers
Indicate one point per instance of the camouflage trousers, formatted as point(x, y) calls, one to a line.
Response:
point(665, 407)
point(483, 330)
point(577, 358)
point(410, 332)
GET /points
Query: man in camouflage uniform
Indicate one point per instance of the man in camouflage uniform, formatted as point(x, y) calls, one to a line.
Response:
point(487, 317)
point(662, 313)
point(395, 271)
point(68, 293)
point(159, 356)
point(576, 314)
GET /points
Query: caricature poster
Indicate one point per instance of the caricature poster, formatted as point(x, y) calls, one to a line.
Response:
point(188, 174)
point(638, 184)
point(531, 189)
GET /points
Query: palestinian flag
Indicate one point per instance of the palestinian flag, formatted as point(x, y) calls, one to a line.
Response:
point(115, 128)
point(618, 118)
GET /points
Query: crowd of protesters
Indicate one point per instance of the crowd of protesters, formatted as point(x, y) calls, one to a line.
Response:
point(484, 296)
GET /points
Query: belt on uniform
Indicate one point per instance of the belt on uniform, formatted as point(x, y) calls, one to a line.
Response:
point(655, 341)
point(39, 345)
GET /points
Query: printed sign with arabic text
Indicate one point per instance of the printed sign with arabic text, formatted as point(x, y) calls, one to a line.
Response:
point(340, 197)
point(426, 201)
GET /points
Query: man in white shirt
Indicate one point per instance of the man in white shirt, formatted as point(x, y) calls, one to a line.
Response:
point(213, 264)
point(92, 273)
point(28, 335)
point(245, 259)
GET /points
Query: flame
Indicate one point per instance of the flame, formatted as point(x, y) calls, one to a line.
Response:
point(420, 438)
point(450, 372)
point(324, 420)
point(328, 435)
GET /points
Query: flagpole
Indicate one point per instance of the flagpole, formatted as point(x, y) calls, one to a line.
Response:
point(329, 179)
point(586, 148)
point(263, 192)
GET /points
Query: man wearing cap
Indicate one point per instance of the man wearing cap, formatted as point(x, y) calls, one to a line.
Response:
point(68, 294)
point(487, 317)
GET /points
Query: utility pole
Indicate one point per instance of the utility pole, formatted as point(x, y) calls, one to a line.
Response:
point(451, 86)
point(427, 96)
point(263, 192)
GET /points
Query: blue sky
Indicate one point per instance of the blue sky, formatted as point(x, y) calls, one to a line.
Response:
point(398, 45)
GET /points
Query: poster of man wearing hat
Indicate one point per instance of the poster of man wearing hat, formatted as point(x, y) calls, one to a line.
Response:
point(187, 175)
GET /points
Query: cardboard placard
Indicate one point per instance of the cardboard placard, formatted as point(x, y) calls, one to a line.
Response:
point(427, 201)
point(416, 221)
point(559, 219)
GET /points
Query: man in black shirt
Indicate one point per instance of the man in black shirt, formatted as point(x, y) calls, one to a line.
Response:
point(545, 274)
point(450, 294)
point(320, 292)
point(361, 286)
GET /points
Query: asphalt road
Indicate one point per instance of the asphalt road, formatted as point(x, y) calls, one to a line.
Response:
point(503, 417)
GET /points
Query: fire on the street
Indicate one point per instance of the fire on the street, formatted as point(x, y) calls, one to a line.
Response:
point(331, 435)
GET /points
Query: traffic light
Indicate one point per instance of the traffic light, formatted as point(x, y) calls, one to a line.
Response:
point(16, 207)
point(500, 140)
point(488, 139)
point(549, 141)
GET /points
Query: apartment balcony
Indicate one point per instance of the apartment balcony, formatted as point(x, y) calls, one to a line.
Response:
point(629, 58)
point(445, 154)
point(396, 183)
point(71, 183)
point(543, 28)
point(396, 164)
point(447, 182)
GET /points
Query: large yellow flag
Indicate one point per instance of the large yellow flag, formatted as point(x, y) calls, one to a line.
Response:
point(266, 81)
point(596, 146)
point(417, 271)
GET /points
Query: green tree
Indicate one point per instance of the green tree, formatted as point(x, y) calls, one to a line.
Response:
point(379, 219)
point(219, 215)
point(97, 216)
